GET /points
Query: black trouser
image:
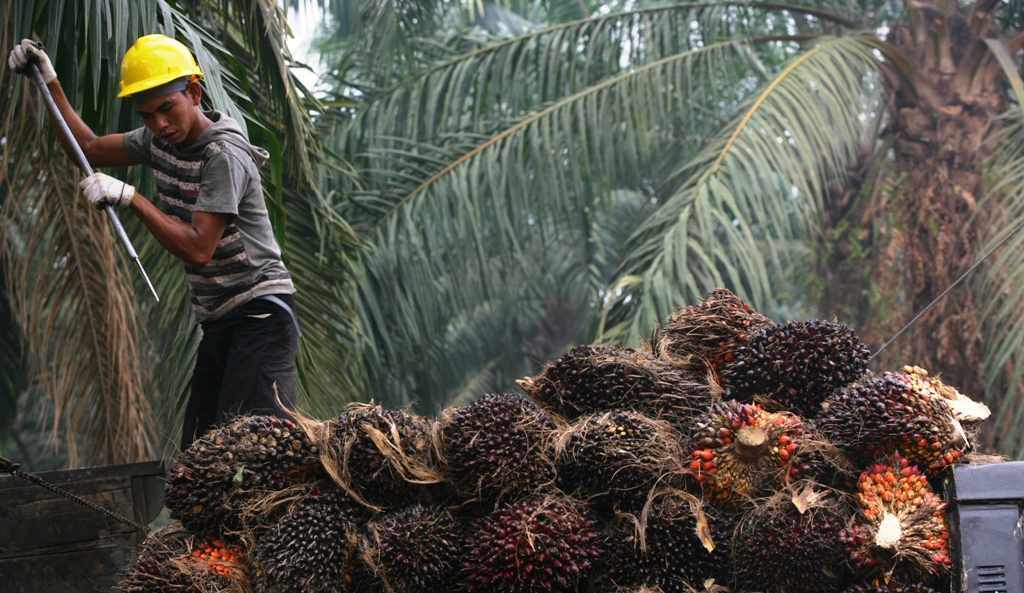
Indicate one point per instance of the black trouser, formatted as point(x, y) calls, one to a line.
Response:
point(241, 357)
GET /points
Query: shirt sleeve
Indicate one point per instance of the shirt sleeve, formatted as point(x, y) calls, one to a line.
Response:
point(224, 181)
point(138, 143)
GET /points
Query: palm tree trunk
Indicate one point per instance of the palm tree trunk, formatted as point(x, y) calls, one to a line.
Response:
point(919, 227)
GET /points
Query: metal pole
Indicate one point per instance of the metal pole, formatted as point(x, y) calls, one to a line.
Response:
point(79, 157)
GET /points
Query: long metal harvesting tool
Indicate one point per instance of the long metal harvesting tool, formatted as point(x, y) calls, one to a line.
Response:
point(83, 163)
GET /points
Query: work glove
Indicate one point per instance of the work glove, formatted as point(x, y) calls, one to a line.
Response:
point(29, 50)
point(102, 190)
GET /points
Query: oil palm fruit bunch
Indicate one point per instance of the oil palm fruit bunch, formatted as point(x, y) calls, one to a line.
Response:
point(591, 379)
point(312, 547)
point(677, 547)
point(900, 527)
point(412, 550)
point(614, 459)
point(380, 456)
point(536, 545)
point(789, 545)
point(704, 337)
point(741, 450)
point(969, 413)
point(797, 364)
point(172, 560)
point(878, 416)
point(889, 586)
point(497, 447)
point(232, 464)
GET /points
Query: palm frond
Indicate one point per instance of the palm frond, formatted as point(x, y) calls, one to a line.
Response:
point(77, 312)
point(619, 97)
point(760, 183)
point(997, 286)
point(506, 78)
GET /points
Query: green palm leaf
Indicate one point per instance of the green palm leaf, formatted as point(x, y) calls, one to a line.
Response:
point(757, 186)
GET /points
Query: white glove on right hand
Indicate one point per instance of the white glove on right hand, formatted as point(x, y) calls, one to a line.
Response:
point(27, 50)
point(102, 190)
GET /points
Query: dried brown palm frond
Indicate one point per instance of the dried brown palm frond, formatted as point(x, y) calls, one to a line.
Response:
point(74, 305)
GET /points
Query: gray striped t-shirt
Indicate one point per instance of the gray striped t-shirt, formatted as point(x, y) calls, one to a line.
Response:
point(219, 173)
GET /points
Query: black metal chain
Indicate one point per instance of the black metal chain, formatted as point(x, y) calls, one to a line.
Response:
point(8, 466)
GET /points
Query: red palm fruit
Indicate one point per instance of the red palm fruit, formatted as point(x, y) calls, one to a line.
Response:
point(536, 545)
point(311, 548)
point(614, 459)
point(901, 524)
point(704, 338)
point(499, 446)
point(232, 465)
point(879, 416)
point(797, 365)
point(889, 586)
point(380, 456)
point(172, 560)
point(789, 545)
point(740, 451)
point(592, 379)
point(675, 546)
point(412, 549)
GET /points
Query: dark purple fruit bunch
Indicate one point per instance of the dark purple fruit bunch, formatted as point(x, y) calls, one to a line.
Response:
point(311, 548)
point(172, 560)
point(883, 415)
point(677, 547)
point(498, 447)
point(413, 549)
point(380, 456)
point(704, 338)
point(234, 464)
point(741, 451)
point(592, 379)
point(892, 586)
point(615, 459)
point(797, 365)
point(532, 546)
point(789, 545)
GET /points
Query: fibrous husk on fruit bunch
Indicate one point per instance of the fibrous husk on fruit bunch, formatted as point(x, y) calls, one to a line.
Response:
point(613, 460)
point(310, 549)
point(797, 365)
point(889, 586)
point(381, 456)
point(233, 464)
point(498, 447)
point(900, 527)
point(676, 544)
point(703, 338)
point(591, 379)
point(882, 415)
point(709, 586)
point(412, 549)
point(173, 560)
point(969, 413)
point(788, 543)
point(540, 544)
point(740, 451)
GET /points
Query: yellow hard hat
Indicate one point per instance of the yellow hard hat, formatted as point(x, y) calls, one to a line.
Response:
point(155, 60)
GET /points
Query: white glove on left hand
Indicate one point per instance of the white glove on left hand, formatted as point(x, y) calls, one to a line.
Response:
point(102, 190)
point(20, 56)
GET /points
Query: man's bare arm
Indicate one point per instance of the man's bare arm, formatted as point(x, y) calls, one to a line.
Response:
point(192, 243)
point(101, 151)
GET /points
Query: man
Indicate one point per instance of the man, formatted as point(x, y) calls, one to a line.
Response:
point(207, 175)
